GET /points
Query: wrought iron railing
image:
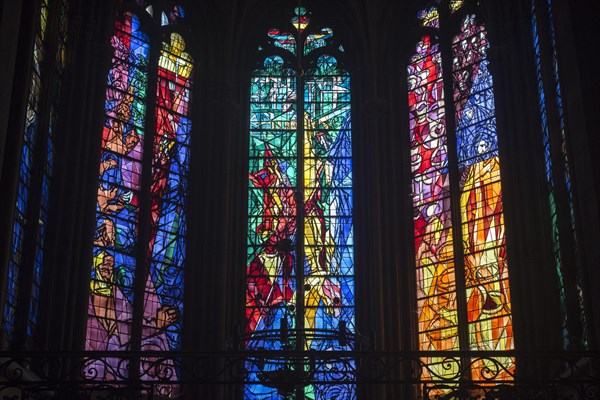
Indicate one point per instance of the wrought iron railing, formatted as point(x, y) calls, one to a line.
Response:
point(153, 375)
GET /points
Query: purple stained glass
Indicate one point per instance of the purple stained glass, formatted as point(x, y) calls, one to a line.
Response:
point(111, 288)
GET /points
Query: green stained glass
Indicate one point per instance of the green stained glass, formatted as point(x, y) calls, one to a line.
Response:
point(299, 190)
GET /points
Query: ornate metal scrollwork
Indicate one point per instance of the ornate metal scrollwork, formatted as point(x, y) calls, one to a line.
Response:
point(146, 375)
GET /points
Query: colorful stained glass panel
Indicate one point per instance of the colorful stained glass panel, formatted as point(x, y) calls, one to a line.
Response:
point(327, 231)
point(111, 287)
point(429, 17)
point(565, 164)
point(315, 40)
point(436, 290)
point(484, 243)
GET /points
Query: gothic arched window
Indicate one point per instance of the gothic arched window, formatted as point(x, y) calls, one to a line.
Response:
point(460, 246)
point(25, 264)
point(299, 200)
point(136, 286)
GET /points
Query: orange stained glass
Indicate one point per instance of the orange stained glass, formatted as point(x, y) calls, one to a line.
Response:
point(481, 204)
point(436, 283)
point(480, 300)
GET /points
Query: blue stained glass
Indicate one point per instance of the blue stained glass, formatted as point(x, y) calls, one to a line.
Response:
point(476, 125)
point(560, 110)
point(429, 17)
point(327, 89)
point(112, 274)
point(482, 230)
point(478, 108)
point(327, 234)
point(22, 220)
point(316, 40)
point(163, 297)
point(549, 175)
point(284, 40)
point(484, 245)
point(477, 142)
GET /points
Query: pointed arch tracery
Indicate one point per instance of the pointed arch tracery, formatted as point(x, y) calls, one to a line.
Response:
point(299, 200)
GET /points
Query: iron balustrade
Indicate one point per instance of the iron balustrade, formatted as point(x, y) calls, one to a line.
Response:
point(144, 375)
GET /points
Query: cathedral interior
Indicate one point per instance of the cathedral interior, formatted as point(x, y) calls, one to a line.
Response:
point(164, 164)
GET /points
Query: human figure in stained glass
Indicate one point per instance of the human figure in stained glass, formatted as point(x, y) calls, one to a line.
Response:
point(318, 231)
point(163, 291)
point(270, 271)
point(108, 304)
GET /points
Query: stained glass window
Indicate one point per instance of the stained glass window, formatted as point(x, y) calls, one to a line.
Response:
point(59, 65)
point(460, 247)
point(455, 5)
point(170, 166)
point(429, 17)
point(141, 227)
point(299, 203)
point(21, 307)
point(111, 288)
point(558, 178)
point(436, 288)
point(483, 231)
